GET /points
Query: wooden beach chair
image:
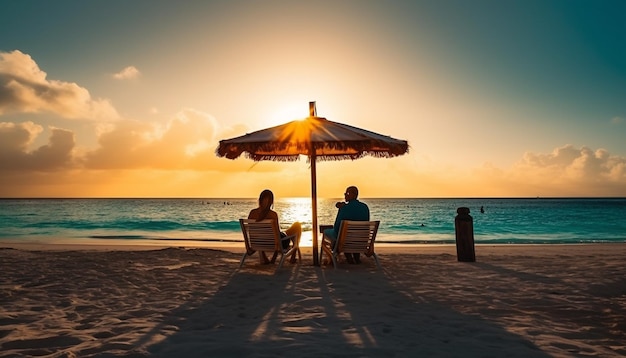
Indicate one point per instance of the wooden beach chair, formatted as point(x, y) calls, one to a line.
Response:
point(264, 235)
point(355, 237)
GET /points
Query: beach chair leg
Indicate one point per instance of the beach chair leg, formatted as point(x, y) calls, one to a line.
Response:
point(280, 263)
point(376, 260)
point(243, 259)
point(334, 258)
point(329, 259)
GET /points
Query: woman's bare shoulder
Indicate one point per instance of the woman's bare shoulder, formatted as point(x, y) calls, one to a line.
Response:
point(254, 213)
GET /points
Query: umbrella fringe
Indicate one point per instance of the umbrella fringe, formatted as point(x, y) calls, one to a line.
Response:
point(275, 158)
point(319, 157)
point(358, 152)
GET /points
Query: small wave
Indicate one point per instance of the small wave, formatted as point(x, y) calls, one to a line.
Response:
point(122, 237)
point(142, 237)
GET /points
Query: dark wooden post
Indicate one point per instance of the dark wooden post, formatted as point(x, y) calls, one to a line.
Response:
point(464, 229)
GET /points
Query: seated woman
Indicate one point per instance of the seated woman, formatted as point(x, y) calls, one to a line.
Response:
point(264, 211)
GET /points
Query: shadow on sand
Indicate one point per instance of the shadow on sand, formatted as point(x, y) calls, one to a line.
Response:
point(310, 311)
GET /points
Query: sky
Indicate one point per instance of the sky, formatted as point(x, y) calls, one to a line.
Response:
point(115, 98)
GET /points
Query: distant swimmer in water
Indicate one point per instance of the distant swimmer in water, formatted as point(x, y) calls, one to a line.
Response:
point(482, 210)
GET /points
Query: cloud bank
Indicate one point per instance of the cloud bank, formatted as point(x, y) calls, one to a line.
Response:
point(25, 89)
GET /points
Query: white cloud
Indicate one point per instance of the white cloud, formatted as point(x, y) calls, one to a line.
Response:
point(187, 141)
point(25, 89)
point(571, 171)
point(17, 137)
point(14, 141)
point(617, 120)
point(127, 73)
point(568, 162)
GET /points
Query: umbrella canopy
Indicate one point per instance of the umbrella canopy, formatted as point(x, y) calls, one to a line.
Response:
point(317, 138)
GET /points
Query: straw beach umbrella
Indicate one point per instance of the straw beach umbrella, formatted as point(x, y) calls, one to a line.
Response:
point(317, 138)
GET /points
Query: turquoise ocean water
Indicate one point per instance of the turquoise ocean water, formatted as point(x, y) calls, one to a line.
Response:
point(174, 221)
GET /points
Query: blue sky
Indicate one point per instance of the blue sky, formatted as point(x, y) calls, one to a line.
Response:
point(496, 98)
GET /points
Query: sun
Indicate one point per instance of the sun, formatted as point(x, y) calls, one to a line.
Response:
point(289, 112)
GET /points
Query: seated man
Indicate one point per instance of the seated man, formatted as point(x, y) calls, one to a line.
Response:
point(351, 209)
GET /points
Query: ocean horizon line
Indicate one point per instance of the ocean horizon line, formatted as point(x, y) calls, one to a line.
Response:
point(308, 197)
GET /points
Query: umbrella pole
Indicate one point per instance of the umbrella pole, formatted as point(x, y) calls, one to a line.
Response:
point(316, 260)
point(312, 160)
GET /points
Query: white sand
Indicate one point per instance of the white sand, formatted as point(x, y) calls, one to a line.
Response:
point(515, 301)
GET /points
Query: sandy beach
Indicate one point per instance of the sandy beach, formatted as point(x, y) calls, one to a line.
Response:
point(514, 301)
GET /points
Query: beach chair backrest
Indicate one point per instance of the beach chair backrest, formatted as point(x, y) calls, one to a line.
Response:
point(357, 236)
point(261, 235)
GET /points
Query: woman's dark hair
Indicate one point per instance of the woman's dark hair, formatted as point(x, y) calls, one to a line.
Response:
point(266, 201)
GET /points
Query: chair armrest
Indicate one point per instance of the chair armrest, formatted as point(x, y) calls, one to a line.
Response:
point(324, 227)
point(290, 237)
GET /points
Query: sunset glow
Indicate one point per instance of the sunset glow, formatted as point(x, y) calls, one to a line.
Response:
point(518, 99)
